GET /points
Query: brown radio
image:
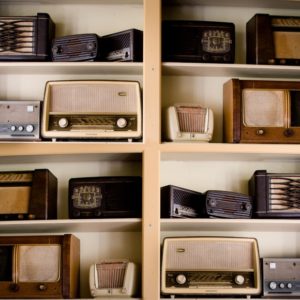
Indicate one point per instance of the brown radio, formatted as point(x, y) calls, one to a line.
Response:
point(28, 195)
point(257, 111)
point(273, 40)
point(210, 266)
point(39, 266)
point(275, 195)
point(26, 38)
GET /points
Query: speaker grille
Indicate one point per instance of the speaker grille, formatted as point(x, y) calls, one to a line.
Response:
point(91, 97)
point(205, 254)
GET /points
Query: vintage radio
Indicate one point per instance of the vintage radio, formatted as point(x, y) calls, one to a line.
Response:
point(273, 40)
point(28, 195)
point(26, 38)
point(198, 41)
point(210, 266)
point(105, 197)
point(39, 266)
point(275, 195)
point(114, 278)
point(281, 277)
point(92, 110)
point(77, 47)
point(20, 120)
point(189, 122)
point(125, 45)
point(225, 204)
point(178, 202)
point(257, 111)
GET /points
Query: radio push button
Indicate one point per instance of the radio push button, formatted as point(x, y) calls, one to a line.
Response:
point(181, 279)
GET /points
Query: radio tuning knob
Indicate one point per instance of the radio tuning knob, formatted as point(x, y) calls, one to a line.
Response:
point(63, 122)
point(260, 132)
point(272, 285)
point(288, 132)
point(239, 279)
point(13, 128)
point(42, 287)
point(29, 128)
point(121, 122)
point(181, 279)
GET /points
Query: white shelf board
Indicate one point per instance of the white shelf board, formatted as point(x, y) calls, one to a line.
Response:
point(69, 226)
point(259, 225)
point(226, 151)
point(53, 2)
point(90, 68)
point(230, 70)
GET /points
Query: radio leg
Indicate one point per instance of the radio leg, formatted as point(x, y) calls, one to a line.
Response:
point(129, 140)
point(54, 140)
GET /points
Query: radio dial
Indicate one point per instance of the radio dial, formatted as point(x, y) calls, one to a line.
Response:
point(63, 122)
point(181, 279)
point(121, 122)
point(272, 285)
point(29, 128)
point(239, 279)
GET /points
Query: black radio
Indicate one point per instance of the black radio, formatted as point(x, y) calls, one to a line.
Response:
point(198, 41)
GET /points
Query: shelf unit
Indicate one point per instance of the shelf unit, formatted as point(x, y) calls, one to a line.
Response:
point(191, 165)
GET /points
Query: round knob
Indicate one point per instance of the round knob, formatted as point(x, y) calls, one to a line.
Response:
point(13, 128)
point(288, 132)
point(281, 285)
point(42, 287)
point(212, 202)
point(272, 285)
point(239, 279)
point(63, 122)
point(260, 132)
point(289, 285)
point(121, 122)
point(181, 279)
point(29, 128)
point(57, 50)
point(245, 206)
point(90, 46)
point(20, 128)
point(14, 287)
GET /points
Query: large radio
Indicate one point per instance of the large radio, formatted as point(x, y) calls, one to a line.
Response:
point(189, 122)
point(198, 41)
point(273, 40)
point(28, 195)
point(210, 266)
point(20, 120)
point(114, 278)
point(257, 111)
point(39, 266)
point(92, 110)
point(26, 38)
point(281, 277)
point(275, 195)
point(105, 197)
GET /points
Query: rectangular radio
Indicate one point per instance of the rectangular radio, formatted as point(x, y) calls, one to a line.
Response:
point(273, 40)
point(210, 266)
point(178, 202)
point(281, 277)
point(26, 38)
point(257, 111)
point(225, 204)
point(275, 195)
point(188, 123)
point(39, 266)
point(105, 197)
point(113, 278)
point(77, 47)
point(28, 195)
point(92, 109)
point(125, 45)
point(20, 120)
point(198, 41)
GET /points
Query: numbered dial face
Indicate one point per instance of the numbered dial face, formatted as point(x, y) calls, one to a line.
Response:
point(216, 41)
point(87, 197)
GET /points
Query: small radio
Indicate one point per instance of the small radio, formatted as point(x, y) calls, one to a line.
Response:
point(189, 122)
point(28, 195)
point(224, 204)
point(198, 41)
point(275, 194)
point(258, 111)
point(125, 45)
point(78, 47)
point(20, 120)
point(105, 197)
point(273, 40)
point(210, 266)
point(113, 278)
point(281, 277)
point(177, 202)
point(39, 266)
point(92, 110)
point(26, 38)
